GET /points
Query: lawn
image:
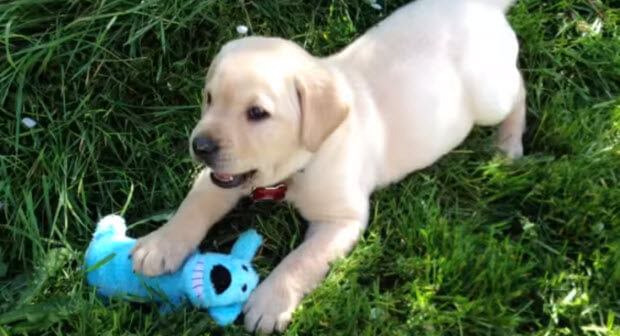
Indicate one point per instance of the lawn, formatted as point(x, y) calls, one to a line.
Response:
point(474, 245)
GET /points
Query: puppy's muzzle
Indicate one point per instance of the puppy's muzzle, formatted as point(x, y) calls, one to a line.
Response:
point(205, 149)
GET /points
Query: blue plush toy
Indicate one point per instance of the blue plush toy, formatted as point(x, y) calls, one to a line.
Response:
point(219, 282)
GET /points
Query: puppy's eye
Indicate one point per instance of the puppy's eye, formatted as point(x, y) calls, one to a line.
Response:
point(244, 287)
point(208, 98)
point(245, 268)
point(256, 113)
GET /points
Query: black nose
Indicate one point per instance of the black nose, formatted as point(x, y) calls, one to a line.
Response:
point(205, 148)
point(220, 278)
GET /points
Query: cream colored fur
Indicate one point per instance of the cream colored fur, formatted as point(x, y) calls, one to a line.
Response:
point(396, 100)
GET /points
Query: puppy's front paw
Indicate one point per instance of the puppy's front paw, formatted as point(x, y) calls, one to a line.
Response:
point(270, 306)
point(159, 252)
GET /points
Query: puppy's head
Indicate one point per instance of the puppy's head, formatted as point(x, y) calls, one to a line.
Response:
point(267, 105)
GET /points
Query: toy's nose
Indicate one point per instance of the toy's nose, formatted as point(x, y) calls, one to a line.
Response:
point(220, 278)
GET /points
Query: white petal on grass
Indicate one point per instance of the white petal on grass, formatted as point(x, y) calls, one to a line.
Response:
point(587, 29)
point(242, 29)
point(376, 6)
point(596, 26)
point(28, 122)
point(570, 296)
point(600, 227)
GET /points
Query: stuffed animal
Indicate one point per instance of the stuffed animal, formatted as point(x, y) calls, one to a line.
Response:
point(220, 283)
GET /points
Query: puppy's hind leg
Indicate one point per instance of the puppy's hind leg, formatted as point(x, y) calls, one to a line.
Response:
point(509, 137)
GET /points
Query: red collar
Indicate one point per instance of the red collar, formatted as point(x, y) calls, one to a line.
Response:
point(276, 193)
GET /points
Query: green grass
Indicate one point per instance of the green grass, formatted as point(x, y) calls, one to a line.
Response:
point(474, 245)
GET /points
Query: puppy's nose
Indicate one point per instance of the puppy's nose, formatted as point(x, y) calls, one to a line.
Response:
point(205, 148)
point(220, 278)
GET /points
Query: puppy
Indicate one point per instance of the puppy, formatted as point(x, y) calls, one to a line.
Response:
point(334, 129)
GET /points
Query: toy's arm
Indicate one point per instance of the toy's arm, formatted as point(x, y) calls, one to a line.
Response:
point(224, 315)
point(246, 246)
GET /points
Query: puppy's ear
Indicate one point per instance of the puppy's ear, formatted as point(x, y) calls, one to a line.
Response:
point(323, 107)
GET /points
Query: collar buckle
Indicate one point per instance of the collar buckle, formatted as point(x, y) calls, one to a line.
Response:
point(275, 193)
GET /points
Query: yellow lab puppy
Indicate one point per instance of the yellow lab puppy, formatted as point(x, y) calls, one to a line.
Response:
point(334, 129)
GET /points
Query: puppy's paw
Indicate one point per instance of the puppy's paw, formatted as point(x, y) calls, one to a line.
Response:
point(159, 252)
point(512, 148)
point(270, 307)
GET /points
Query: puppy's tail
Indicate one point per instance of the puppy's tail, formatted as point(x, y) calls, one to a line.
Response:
point(504, 5)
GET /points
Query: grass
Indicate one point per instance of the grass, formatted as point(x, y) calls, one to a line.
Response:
point(474, 245)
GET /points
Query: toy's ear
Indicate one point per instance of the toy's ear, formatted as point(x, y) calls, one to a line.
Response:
point(246, 246)
point(224, 315)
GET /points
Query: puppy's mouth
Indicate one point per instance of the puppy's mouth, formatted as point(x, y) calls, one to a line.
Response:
point(228, 181)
